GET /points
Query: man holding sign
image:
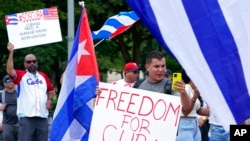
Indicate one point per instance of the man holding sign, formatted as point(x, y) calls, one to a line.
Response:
point(143, 114)
point(34, 99)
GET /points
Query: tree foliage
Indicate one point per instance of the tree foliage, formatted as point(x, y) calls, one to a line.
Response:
point(132, 45)
point(51, 56)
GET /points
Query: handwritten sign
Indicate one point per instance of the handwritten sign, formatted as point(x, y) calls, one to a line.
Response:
point(33, 27)
point(128, 114)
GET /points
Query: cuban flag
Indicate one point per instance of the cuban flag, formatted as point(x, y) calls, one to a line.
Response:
point(11, 19)
point(210, 39)
point(116, 25)
point(74, 109)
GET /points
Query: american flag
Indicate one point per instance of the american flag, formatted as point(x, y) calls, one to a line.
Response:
point(50, 13)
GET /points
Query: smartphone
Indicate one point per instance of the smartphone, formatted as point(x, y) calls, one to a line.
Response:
point(176, 77)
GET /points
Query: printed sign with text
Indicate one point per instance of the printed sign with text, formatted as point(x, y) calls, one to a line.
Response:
point(128, 114)
point(33, 27)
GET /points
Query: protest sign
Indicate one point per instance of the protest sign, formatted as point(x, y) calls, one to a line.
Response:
point(128, 114)
point(33, 27)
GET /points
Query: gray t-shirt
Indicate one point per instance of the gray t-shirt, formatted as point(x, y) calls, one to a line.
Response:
point(155, 87)
point(9, 114)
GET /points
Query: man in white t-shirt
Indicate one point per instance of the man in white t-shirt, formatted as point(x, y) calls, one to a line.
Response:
point(131, 74)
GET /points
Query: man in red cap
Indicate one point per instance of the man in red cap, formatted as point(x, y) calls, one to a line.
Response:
point(131, 74)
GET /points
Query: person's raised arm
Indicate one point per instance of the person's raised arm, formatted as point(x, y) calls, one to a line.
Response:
point(185, 99)
point(10, 65)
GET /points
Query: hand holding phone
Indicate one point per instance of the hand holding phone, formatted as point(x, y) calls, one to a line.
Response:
point(176, 77)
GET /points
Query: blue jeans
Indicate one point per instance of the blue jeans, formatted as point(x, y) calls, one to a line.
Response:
point(217, 133)
point(188, 130)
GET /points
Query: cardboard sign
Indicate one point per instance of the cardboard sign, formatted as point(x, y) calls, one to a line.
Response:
point(33, 27)
point(128, 114)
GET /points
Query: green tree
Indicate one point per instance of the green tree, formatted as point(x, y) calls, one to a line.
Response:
point(132, 45)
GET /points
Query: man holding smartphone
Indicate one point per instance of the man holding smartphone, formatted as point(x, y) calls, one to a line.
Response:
point(156, 81)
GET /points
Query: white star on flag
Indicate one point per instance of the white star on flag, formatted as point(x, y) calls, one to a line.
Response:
point(82, 50)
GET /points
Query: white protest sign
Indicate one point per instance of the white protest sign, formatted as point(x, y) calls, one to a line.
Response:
point(128, 114)
point(33, 27)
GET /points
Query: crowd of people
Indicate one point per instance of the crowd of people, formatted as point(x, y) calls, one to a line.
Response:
point(197, 122)
point(28, 120)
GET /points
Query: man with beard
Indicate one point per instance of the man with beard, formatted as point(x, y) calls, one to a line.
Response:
point(34, 99)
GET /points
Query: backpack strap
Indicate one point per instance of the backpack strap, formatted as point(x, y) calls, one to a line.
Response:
point(138, 82)
point(3, 96)
point(168, 88)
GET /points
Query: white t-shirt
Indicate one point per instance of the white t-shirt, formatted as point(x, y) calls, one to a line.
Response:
point(122, 83)
point(213, 119)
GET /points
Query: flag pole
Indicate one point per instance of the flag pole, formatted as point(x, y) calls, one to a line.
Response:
point(81, 3)
point(99, 42)
point(71, 29)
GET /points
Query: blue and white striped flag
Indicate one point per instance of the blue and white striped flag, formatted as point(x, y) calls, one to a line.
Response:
point(210, 39)
point(115, 25)
point(11, 19)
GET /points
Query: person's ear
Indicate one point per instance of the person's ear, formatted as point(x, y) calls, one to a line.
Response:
point(146, 67)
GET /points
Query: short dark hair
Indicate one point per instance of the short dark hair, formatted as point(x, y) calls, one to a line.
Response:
point(155, 54)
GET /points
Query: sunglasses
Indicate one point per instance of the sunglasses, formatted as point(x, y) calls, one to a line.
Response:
point(135, 71)
point(7, 81)
point(31, 61)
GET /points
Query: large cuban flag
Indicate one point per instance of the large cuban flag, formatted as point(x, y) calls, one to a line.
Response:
point(116, 25)
point(210, 39)
point(72, 117)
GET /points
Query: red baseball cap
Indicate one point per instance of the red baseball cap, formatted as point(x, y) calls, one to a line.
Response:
point(131, 66)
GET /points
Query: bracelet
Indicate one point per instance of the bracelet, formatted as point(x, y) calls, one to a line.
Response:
point(204, 118)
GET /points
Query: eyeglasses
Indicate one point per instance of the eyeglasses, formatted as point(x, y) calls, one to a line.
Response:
point(135, 71)
point(31, 61)
point(7, 81)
